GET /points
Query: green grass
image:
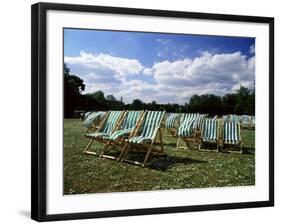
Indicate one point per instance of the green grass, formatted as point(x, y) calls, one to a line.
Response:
point(179, 169)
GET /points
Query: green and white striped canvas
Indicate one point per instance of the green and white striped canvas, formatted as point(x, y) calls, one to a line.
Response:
point(127, 125)
point(210, 130)
point(231, 133)
point(186, 128)
point(91, 118)
point(170, 122)
point(151, 122)
point(245, 120)
point(186, 116)
point(109, 125)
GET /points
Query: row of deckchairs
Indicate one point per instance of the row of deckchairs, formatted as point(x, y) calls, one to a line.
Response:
point(246, 121)
point(127, 131)
point(226, 136)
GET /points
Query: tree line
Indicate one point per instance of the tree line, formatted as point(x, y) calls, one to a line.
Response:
point(240, 102)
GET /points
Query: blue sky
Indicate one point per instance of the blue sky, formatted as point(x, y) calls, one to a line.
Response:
point(155, 66)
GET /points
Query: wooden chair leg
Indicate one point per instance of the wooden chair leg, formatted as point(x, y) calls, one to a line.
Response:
point(147, 155)
point(125, 152)
point(178, 142)
point(89, 144)
point(161, 140)
point(105, 148)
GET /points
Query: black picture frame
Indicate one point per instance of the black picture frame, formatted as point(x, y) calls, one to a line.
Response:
point(39, 122)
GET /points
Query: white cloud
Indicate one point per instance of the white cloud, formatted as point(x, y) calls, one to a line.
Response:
point(252, 49)
point(121, 67)
point(166, 81)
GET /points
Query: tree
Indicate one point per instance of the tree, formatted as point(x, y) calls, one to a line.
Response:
point(111, 98)
point(73, 87)
point(137, 105)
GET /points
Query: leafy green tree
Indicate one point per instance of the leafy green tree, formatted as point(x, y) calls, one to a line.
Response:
point(73, 87)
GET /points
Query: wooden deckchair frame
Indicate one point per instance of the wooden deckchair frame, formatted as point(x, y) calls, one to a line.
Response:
point(120, 142)
point(235, 145)
point(217, 142)
point(149, 148)
point(100, 138)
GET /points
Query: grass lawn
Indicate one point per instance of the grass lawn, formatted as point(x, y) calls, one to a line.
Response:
point(179, 169)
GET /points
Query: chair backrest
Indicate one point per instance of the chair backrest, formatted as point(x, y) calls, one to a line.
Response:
point(186, 116)
point(111, 122)
point(199, 121)
point(170, 122)
point(186, 128)
point(87, 114)
point(150, 124)
point(231, 132)
point(210, 130)
point(253, 120)
point(245, 119)
point(91, 118)
point(130, 119)
point(233, 118)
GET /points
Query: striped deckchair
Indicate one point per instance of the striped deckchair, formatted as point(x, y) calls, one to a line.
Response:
point(252, 122)
point(144, 137)
point(245, 121)
point(92, 121)
point(86, 115)
point(187, 132)
point(231, 136)
point(210, 135)
point(170, 124)
point(110, 123)
point(118, 138)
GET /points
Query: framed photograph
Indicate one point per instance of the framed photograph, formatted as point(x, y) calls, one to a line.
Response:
point(140, 111)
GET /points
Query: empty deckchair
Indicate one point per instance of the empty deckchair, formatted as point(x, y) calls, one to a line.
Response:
point(187, 132)
point(145, 136)
point(245, 121)
point(93, 120)
point(118, 138)
point(110, 123)
point(86, 115)
point(232, 137)
point(210, 135)
point(170, 124)
point(252, 122)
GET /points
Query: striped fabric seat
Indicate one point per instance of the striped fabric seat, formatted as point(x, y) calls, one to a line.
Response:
point(253, 121)
point(91, 118)
point(245, 120)
point(127, 125)
point(170, 122)
point(231, 133)
point(233, 118)
point(186, 128)
point(199, 121)
point(209, 130)
point(109, 126)
point(86, 115)
point(186, 117)
point(151, 123)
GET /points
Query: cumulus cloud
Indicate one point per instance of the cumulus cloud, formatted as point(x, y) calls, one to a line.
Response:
point(166, 81)
point(252, 49)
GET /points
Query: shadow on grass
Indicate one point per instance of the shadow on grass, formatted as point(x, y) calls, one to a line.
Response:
point(248, 150)
point(163, 162)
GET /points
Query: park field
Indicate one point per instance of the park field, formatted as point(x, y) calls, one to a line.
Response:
point(179, 169)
